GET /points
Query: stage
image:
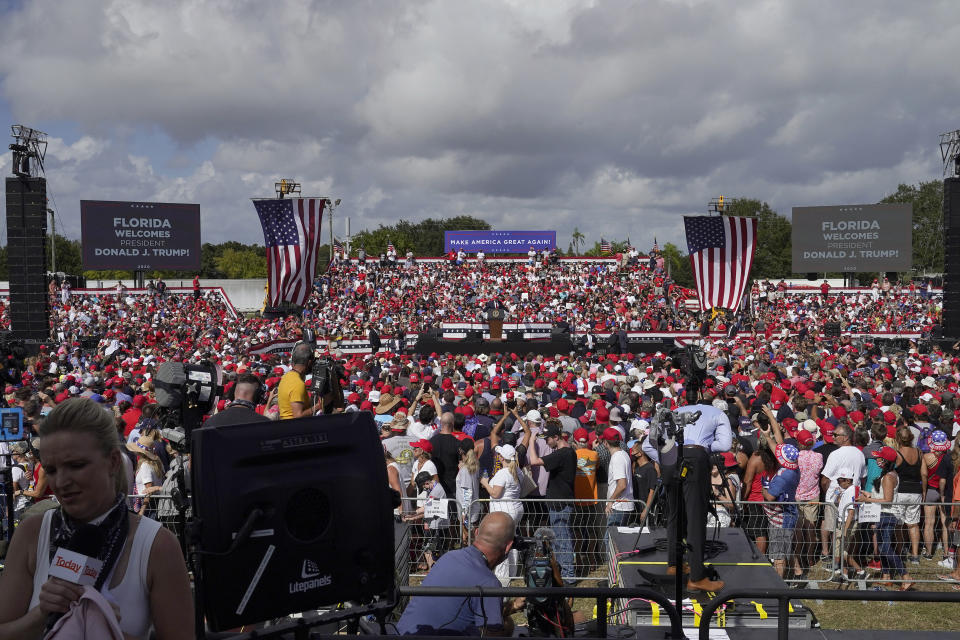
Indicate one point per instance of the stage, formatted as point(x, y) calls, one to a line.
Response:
point(429, 344)
point(559, 343)
point(740, 566)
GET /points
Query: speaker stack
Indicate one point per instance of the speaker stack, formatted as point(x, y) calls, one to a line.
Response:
point(27, 258)
point(951, 275)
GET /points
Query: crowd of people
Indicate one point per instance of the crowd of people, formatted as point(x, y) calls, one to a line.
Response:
point(820, 426)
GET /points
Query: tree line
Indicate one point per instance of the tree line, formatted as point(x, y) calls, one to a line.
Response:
point(773, 258)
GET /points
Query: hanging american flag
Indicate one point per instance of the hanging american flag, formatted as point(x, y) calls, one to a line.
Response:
point(721, 254)
point(390, 248)
point(291, 231)
point(604, 247)
point(337, 246)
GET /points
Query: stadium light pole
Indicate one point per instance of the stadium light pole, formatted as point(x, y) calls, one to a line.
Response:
point(950, 151)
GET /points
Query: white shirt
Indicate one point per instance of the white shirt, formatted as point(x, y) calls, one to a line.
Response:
point(620, 468)
point(511, 492)
point(427, 466)
point(421, 431)
point(146, 474)
point(848, 457)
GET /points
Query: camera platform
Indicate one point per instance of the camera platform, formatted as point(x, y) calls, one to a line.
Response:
point(739, 566)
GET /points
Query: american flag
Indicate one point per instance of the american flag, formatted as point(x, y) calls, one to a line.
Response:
point(291, 231)
point(604, 247)
point(721, 254)
point(337, 247)
point(390, 248)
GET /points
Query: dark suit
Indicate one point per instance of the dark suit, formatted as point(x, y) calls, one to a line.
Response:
point(374, 340)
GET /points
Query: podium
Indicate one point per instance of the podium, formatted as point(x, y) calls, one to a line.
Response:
point(495, 323)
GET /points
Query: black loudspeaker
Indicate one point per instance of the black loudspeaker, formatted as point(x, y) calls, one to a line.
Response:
point(831, 329)
point(811, 276)
point(891, 276)
point(293, 515)
point(27, 257)
point(951, 279)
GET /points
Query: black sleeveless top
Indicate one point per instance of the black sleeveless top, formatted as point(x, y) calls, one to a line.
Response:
point(910, 480)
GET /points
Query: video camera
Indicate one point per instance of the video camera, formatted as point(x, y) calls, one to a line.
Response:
point(185, 393)
point(547, 615)
point(536, 554)
point(666, 428)
point(325, 376)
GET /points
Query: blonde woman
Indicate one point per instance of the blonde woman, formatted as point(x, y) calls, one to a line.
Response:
point(468, 489)
point(504, 486)
point(504, 490)
point(144, 575)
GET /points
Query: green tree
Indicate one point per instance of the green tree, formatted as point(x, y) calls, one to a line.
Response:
point(616, 246)
point(242, 263)
point(677, 265)
point(424, 238)
point(69, 257)
point(578, 239)
point(774, 254)
point(927, 201)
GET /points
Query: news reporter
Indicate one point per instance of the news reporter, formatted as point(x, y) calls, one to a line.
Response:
point(144, 572)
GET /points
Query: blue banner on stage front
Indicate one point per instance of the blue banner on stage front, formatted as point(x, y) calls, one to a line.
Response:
point(499, 241)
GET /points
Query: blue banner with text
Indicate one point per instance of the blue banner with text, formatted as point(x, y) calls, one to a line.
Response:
point(498, 241)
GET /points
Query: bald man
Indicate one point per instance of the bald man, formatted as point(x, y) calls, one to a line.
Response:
point(468, 567)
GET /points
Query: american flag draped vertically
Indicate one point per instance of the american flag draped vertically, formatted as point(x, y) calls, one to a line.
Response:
point(391, 248)
point(291, 231)
point(604, 247)
point(721, 254)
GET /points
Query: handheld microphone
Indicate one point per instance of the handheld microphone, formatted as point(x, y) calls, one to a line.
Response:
point(76, 562)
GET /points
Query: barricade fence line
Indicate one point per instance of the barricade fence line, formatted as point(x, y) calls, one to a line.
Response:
point(820, 548)
point(812, 552)
point(858, 547)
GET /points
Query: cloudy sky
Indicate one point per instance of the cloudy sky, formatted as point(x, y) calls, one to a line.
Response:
point(613, 117)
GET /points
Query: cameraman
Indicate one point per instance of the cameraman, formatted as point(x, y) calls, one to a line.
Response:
point(243, 408)
point(467, 567)
point(711, 433)
point(292, 390)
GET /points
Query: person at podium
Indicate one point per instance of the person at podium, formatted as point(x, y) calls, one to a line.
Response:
point(495, 305)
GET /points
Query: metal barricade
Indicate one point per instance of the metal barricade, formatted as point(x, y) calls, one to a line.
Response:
point(579, 528)
point(430, 536)
point(851, 551)
point(879, 553)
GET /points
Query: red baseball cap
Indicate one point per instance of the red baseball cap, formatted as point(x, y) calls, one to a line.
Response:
point(804, 437)
point(885, 453)
point(422, 444)
point(610, 434)
point(581, 435)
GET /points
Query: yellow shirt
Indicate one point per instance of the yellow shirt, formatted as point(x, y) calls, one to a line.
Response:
point(291, 389)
